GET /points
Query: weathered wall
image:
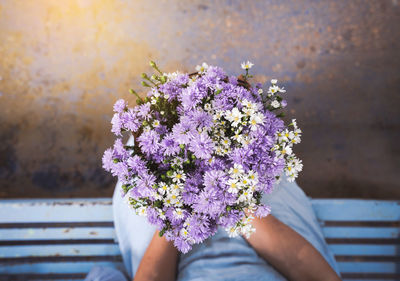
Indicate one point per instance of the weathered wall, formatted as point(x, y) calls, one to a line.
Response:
point(64, 63)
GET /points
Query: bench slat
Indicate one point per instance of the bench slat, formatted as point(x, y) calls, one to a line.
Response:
point(379, 250)
point(369, 267)
point(57, 233)
point(60, 210)
point(361, 232)
point(56, 267)
point(44, 277)
point(59, 250)
point(356, 210)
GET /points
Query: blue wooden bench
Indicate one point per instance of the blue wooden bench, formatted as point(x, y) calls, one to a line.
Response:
point(64, 239)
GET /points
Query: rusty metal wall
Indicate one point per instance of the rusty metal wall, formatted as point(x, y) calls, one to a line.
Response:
point(64, 63)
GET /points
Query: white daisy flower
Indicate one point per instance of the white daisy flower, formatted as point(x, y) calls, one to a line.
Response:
point(247, 65)
point(236, 170)
point(178, 176)
point(202, 68)
point(161, 214)
point(253, 177)
point(274, 81)
point(226, 142)
point(273, 89)
point(233, 186)
point(156, 123)
point(285, 150)
point(256, 119)
point(245, 196)
point(163, 188)
point(247, 230)
point(178, 213)
point(233, 231)
point(172, 75)
point(234, 116)
point(142, 211)
point(184, 232)
point(275, 104)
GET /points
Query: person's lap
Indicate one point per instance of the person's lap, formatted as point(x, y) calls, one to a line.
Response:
point(220, 257)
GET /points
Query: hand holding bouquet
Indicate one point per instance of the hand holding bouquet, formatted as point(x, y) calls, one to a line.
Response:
point(207, 147)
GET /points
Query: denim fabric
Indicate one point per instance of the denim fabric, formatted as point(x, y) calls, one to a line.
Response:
point(221, 257)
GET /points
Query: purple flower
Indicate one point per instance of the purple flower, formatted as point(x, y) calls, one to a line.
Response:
point(137, 165)
point(130, 120)
point(171, 147)
point(153, 217)
point(200, 227)
point(202, 146)
point(182, 244)
point(116, 124)
point(149, 142)
point(230, 218)
point(108, 159)
point(120, 105)
point(208, 202)
point(200, 118)
point(215, 179)
point(120, 170)
point(189, 99)
point(144, 185)
point(233, 80)
point(182, 132)
point(143, 111)
point(119, 149)
point(262, 211)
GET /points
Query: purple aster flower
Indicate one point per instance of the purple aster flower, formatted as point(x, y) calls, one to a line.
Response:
point(202, 146)
point(116, 124)
point(215, 73)
point(120, 170)
point(230, 218)
point(200, 227)
point(182, 244)
point(215, 179)
point(171, 147)
point(233, 80)
point(144, 185)
point(161, 129)
point(189, 99)
point(120, 105)
point(143, 111)
point(149, 141)
point(130, 120)
point(200, 118)
point(119, 149)
point(182, 132)
point(262, 211)
point(137, 165)
point(108, 159)
point(153, 216)
point(208, 202)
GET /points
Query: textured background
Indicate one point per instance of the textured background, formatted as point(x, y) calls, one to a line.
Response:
point(64, 63)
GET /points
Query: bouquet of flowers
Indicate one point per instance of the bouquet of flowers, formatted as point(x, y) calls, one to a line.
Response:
point(206, 147)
